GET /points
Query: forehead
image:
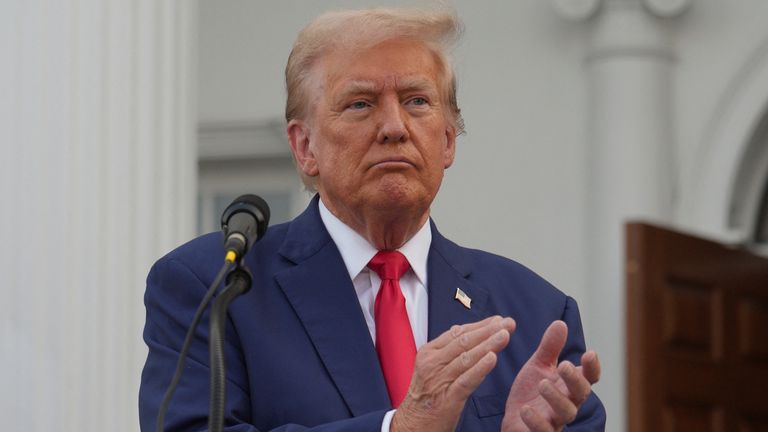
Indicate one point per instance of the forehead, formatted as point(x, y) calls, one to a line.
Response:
point(393, 63)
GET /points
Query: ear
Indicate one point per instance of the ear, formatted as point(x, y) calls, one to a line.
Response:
point(298, 137)
point(449, 153)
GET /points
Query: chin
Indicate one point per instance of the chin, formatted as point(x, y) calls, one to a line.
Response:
point(398, 192)
point(402, 200)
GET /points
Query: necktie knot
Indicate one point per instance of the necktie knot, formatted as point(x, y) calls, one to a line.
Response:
point(389, 265)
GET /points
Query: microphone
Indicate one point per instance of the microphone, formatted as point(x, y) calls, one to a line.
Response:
point(243, 222)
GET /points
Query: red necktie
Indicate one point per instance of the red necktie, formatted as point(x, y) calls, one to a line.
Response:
point(394, 337)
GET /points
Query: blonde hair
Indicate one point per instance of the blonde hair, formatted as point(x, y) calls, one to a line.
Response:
point(438, 30)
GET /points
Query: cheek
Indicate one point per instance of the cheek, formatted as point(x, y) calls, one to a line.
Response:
point(336, 159)
point(439, 146)
point(348, 146)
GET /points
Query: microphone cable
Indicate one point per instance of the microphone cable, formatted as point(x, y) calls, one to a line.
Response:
point(244, 222)
point(228, 262)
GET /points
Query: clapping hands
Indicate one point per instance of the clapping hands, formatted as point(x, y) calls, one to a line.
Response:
point(546, 395)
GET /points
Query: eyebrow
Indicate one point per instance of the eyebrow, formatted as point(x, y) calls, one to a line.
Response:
point(406, 84)
point(357, 87)
point(417, 84)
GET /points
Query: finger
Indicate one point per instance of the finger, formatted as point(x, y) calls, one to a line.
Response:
point(470, 339)
point(590, 365)
point(551, 344)
point(467, 382)
point(578, 386)
point(457, 330)
point(467, 359)
point(535, 421)
point(564, 409)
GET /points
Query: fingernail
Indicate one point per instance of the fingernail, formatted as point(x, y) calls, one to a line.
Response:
point(568, 370)
point(500, 335)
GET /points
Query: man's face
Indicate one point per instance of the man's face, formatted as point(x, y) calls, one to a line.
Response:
point(378, 134)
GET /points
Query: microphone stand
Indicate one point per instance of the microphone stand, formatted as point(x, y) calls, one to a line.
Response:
point(238, 282)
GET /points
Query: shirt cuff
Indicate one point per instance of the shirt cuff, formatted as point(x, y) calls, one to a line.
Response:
point(387, 420)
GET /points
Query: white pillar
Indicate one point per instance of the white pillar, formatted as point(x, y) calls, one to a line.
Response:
point(631, 163)
point(98, 169)
point(631, 172)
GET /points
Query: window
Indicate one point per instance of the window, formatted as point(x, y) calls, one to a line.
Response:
point(246, 157)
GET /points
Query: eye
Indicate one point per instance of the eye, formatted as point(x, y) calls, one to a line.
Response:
point(418, 101)
point(358, 105)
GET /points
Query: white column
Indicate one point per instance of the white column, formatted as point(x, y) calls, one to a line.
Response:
point(98, 170)
point(631, 172)
point(631, 169)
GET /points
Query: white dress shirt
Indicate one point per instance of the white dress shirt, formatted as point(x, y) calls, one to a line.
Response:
point(356, 252)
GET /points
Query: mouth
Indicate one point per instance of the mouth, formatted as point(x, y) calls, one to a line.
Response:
point(393, 163)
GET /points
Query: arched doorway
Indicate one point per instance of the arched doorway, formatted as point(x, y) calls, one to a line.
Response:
point(726, 195)
point(749, 204)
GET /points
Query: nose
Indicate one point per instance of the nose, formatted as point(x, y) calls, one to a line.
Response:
point(392, 123)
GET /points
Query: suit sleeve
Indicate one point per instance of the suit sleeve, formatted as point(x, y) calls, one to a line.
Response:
point(171, 299)
point(591, 415)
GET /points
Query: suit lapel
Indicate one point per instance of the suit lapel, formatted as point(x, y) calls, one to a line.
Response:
point(323, 297)
point(448, 269)
point(321, 292)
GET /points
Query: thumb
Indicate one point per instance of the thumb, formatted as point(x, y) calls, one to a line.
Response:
point(551, 344)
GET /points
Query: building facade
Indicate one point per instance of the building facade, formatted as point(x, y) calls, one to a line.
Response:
point(127, 124)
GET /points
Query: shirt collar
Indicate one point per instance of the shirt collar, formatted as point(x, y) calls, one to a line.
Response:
point(356, 251)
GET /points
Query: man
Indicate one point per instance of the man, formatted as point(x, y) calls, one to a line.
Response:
point(362, 317)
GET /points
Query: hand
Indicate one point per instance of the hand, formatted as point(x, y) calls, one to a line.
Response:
point(546, 396)
point(447, 370)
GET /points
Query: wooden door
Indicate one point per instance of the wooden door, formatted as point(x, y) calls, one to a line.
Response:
point(697, 328)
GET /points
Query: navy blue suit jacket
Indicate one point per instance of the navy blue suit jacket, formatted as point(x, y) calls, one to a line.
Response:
point(298, 352)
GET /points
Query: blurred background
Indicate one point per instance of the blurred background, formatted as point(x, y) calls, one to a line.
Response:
point(128, 125)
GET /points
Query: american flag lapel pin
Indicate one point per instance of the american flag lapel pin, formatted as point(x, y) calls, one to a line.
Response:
point(463, 298)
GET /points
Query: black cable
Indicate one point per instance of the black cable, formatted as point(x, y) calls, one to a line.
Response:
point(187, 342)
point(238, 283)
